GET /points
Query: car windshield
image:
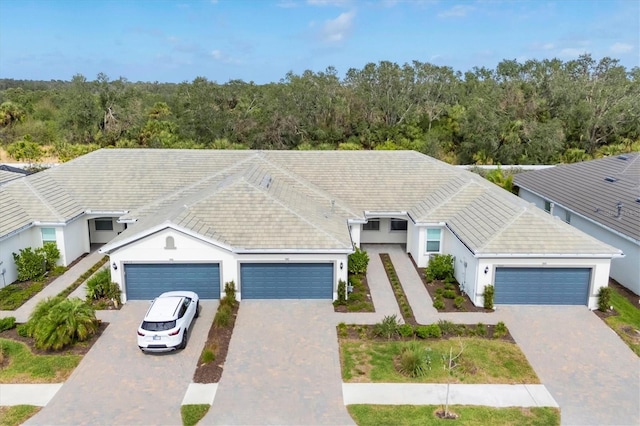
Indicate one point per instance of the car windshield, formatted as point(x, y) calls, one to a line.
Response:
point(158, 326)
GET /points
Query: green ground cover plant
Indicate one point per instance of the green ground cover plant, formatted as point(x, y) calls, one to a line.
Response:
point(16, 414)
point(483, 361)
point(26, 367)
point(193, 413)
point(413, 415)
point(398, 291)
point(627, 322)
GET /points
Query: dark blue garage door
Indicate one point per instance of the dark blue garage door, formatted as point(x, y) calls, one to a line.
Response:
point(542, 286)
point(147, 281)
point(286, 280)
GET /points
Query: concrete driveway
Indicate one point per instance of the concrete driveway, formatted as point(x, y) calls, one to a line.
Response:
point(118, 384)
point(591, 373)
point(283, 367)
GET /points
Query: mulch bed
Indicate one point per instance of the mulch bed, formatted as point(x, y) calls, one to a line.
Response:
point(365, 332)
point(467, 305)
point(218, 338)
point(367, 296)
point(78, 349)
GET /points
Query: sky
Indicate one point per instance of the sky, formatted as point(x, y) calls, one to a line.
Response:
point(263, 40)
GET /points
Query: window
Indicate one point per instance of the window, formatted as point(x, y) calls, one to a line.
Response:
point(398, 225)
point(567, 217)
point(433, 240)
point(48, 235)
point(372, 225)
point(547, 206)
point(104, 225)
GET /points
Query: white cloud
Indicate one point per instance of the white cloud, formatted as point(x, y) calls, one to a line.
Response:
point(328, 2)
point(287, 4)
point(336, 30)
point(457, 11)
point(221, 56)
point(621, 48)
point(572, 52)
point(548, 46)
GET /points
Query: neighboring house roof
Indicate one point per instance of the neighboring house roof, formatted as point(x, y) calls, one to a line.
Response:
point(281, 200)
point(606, 191)
point(8, 173)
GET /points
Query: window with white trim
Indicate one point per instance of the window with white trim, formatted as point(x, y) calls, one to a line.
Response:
point(104, 225)
point(372, 225)
point(434, 235)
point(48, 235)
point(398, 225)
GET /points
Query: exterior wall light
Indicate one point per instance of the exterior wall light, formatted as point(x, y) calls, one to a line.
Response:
point(486, 270)
point(114, 265)
point(341, 265)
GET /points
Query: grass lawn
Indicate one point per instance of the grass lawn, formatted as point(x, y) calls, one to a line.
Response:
point(407, 415)
point(16, 414)
point(627, 323)
point(25, 367)
point(193, 413)
point(482, 361)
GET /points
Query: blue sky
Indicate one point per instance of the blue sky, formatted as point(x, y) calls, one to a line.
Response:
point(262, 40)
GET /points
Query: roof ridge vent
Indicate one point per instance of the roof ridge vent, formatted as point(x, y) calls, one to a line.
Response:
point(611, 179)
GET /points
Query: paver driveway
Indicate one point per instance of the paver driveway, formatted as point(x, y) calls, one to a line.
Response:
point(283, 367)
point(591, 373)
point(116, 384)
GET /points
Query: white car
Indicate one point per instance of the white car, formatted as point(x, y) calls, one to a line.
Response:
point(165, 326)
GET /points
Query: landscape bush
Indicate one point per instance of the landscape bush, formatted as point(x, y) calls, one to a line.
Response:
point(604, 299)
point(414, 360)
point(481, 330)
point(458, 302)
point(223, 316)
point(30, 264)
point(488, 296)
point(57, 322)
point(500, 330)
point(342, 293)
point(438, 303)
point(388, 327)
point(100, 286)
point(449, 294)
point(230, 292)
point(405, 330)
point(51, 255)
point(431, 330)
point(7, 323)
point(358, 262)
point(440, 267)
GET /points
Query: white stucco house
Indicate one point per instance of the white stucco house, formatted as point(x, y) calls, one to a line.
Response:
point(281, 224)
point(599, 197)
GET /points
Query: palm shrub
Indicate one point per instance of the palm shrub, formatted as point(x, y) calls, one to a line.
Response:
point(41, 310)
point(358, 262)
point(97, 285)
point(68, 321)
point(440, 268)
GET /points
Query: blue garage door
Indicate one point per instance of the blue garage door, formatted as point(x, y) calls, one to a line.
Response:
point(286, 280)
point(542, 286)
point(147, 281)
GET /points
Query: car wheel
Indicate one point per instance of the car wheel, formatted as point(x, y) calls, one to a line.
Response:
point(197, 309)
point(183, 344)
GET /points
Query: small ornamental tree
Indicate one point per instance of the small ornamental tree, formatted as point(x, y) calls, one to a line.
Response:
point(440, 268)
point(488, 296)
point(358, 261)
point(604, 299)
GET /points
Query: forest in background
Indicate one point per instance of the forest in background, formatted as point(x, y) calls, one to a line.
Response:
point(536, 112)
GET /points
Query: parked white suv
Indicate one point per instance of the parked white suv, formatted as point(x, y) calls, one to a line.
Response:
point(165, 326)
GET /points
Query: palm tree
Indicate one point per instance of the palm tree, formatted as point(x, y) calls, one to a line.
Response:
point(69, 321)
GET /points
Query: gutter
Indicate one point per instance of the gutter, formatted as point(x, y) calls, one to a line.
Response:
point(293, 251)
point(551, 255)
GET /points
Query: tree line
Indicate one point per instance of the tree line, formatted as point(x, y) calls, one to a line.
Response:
point(536, 112)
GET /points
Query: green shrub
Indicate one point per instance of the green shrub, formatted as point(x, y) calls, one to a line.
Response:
point(488, 296)
point(438, 303)
point(22, 330)
point(230, 291)
point(458, 302)
point(223, 316)
point(449, 280)
point(604, 299)
point(58, 270)
point(439, 291)
point(449, 286)
point(358, 262)
point(481, 329)
point(449, 294)
point(13, 296)
point(388, 327)
point(208, 355)
point(98, 284)
point(51, 255)
point(450, 328)
point(41, 310)
point(440, 267)
point(414, 360)
point(500, 330)
point(342, 330)
point(7, 323)
point(30, 264)
point(67, 322)
point(342, 293)
point(405, 330)
point(431, 330)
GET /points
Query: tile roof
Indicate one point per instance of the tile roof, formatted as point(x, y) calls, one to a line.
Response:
point(594, 189)
point(299, 200)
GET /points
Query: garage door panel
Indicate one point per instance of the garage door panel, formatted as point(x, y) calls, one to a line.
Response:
point(542, 286)
point(286, 280)
point(148, 280)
